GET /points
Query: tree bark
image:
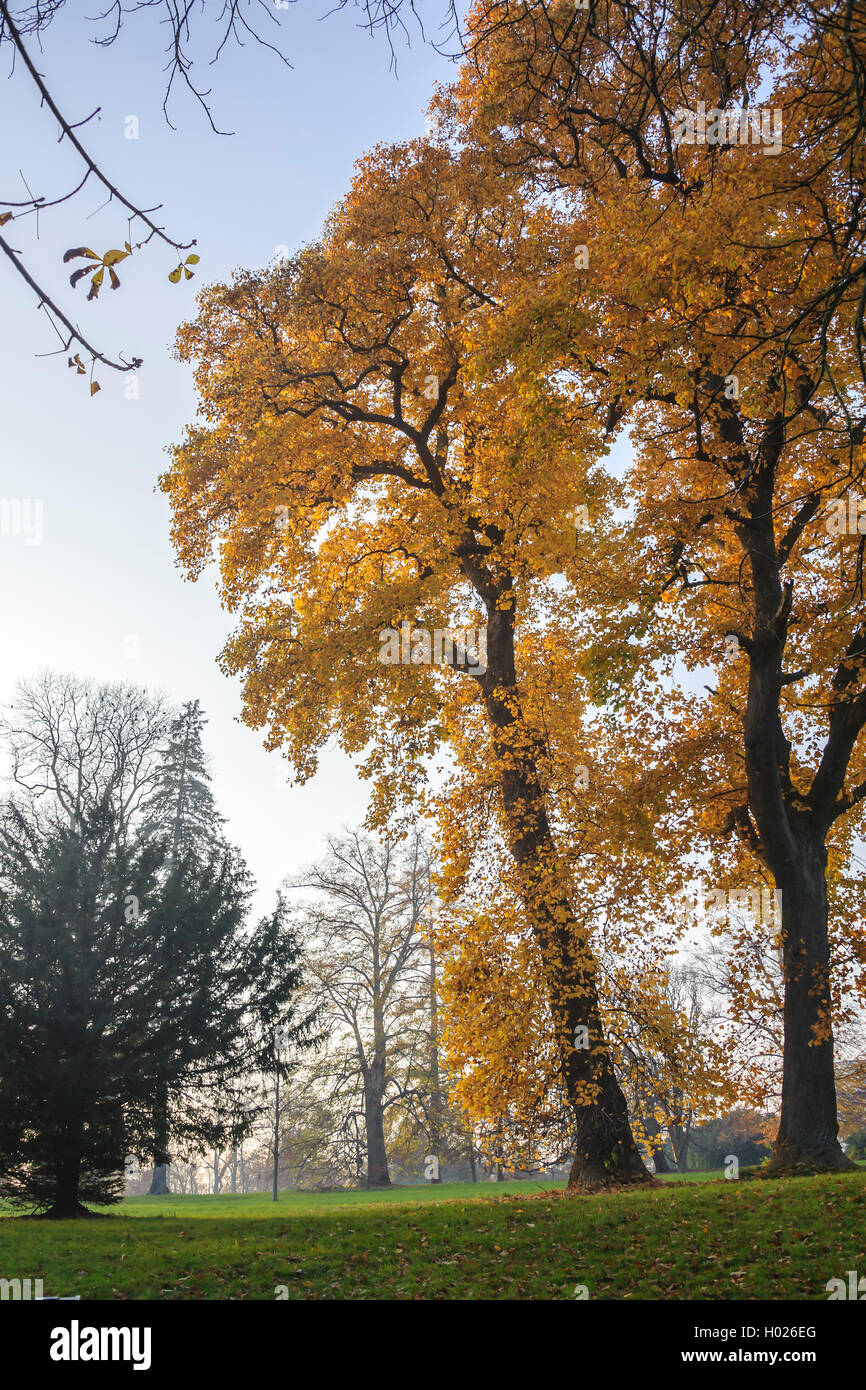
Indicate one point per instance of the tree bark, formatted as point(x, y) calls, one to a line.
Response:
point(680, 1138)
point(787, 830)
point(655, 1142)
point(605, 1150)
point(159, 1181)
point(435, 1079)
point(660, 1159)
point(159, 1178)
point(808, 1130)
point(375, 1080)
point(66, 1205)
point(377, 1157)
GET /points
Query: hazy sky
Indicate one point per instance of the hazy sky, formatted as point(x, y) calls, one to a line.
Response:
point(99, 594)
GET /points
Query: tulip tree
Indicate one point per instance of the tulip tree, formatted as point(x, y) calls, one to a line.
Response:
point(371, 454)
point(721, 318)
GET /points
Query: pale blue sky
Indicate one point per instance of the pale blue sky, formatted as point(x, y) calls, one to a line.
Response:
point(100, 595)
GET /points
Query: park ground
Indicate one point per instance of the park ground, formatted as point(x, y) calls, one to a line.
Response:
point(700, 1238)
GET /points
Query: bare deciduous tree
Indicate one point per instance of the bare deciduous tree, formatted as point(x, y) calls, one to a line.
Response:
point(368, 968)
point(83, 744)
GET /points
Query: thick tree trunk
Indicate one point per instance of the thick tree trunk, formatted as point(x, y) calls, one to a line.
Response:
point(377, 1158)
point(66, 1205)
point(789, 836)
point(808, 1129)
point(605, 1150)
point(159, 1181)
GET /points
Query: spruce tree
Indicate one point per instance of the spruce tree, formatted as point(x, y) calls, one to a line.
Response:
point(181, 809)
point(181, 805)
point(119, 982)
point(78, 984)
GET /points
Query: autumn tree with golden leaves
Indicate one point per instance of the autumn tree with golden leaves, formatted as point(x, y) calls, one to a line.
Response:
point(368, 457)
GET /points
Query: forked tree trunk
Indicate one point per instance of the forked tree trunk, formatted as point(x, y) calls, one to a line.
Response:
point(788, 833)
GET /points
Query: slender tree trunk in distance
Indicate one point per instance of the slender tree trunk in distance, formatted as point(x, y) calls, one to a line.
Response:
point(276, 1169)
point(436, 1097)
point(159, 1179)
point(680, 1141)
point(660, 1159)
point(655, 1143)
point(375, 1081)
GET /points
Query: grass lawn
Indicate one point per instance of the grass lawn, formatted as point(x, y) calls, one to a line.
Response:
point(684, 1240)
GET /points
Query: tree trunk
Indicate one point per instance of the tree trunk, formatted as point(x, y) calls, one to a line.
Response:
point(375, 1080)
point(605, 1150)
point(159, 1181)
point(435, 1079)
point(66, 1205)
point(680, 1136)
point(162, 1158)
point(808, 1129)
point(377, 1158)
point(660, 1159)
point(654, 1140)
point(789, 836)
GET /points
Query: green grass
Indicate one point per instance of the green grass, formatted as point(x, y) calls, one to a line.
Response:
point(261, 1204)
point(708, 1239)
